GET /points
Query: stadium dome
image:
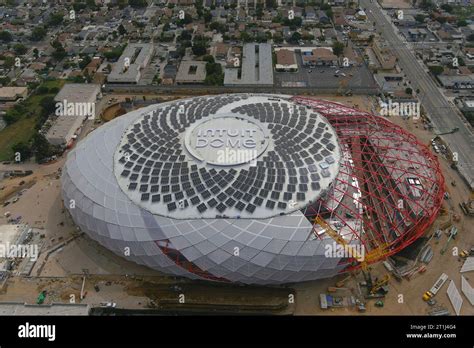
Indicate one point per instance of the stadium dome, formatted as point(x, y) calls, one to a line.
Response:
point(252, 188)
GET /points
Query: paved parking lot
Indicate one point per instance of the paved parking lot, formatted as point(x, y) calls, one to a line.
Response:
point(323, 77)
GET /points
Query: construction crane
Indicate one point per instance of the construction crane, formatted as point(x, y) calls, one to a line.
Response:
point(452, 233)
point(329, 230)
point(364, 260)
point(379, 284)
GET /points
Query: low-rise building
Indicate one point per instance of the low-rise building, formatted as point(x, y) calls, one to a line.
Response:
point(191, 72)
point(221, 51)
point(75, 103)
point(384, 55)
point(285, 60)
point(9, 94)
point(457, 82)
point(130, 64)
point(257, 67)
point(320, 56)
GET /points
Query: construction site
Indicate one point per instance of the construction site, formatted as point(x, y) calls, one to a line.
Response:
point(393, 231)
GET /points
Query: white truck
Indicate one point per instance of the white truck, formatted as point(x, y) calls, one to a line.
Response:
point(434, 290)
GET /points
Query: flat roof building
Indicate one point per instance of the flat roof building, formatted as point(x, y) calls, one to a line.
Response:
point(285, 60)
point(257, 67)
point(78, 93)
point(457, 82)
point(12, 93)
point(191, 72)
point(320, 56)
point(128, 68)
point(75, 103)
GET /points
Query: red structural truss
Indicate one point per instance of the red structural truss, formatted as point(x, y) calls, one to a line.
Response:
point(389, 189)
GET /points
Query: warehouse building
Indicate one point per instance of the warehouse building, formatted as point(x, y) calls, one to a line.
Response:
point(257, 67)
point(74, 104)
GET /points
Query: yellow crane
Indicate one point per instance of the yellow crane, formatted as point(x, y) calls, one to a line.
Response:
point(370, 256)
point(378, 284)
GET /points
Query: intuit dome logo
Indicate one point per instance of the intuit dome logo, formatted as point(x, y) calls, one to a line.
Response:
point(227, 141)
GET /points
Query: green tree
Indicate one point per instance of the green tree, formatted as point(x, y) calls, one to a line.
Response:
point(6, 36)
point(48, 104)
point(420, 18)
point(338, 48)
point(208, 58)
point(436, 70)
point(426, 5)
point(42, 90)
point(38, 33)
point(137, 3)
point(42, 148)
point(295, 38)
point(207, 16)
point(20, 49)
point(121, 30)
point(186, 35)
point(23, 149)
point(199, 46)
point(59, 53)
point(55, 19)
point(214, 74)
point(447, 8)
point(84, 62)
point(186, 20)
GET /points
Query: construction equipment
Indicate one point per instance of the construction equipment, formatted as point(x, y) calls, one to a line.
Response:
point(41, 297)
point(428, 295)
point(379, 304)
point(467, 207)
point(379, 284)
point(341, 283)
point(330, 231)
point(364, 259)
point(452, 233)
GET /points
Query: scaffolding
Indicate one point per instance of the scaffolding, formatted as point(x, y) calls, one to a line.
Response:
point(385, 162)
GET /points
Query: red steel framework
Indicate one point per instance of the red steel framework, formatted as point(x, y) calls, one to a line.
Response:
point(391, 216)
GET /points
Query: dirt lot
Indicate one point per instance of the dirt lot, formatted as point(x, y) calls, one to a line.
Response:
point(61, 272)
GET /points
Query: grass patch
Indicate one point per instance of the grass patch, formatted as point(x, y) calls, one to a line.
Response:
point(24, 129)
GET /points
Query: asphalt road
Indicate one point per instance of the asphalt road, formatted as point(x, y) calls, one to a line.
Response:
point(441, 112)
